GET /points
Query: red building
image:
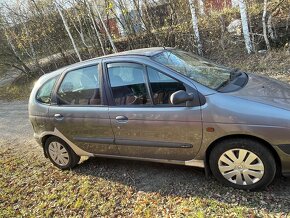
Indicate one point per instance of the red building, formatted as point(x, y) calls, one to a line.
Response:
point(217, 4)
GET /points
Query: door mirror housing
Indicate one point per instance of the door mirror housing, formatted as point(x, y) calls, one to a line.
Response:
point(180, 97)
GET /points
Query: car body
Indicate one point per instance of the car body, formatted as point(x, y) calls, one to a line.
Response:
point(129, 113)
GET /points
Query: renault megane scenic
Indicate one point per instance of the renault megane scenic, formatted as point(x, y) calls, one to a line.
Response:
point(165, 105)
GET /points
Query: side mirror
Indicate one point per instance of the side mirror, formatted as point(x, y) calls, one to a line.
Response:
point(180, 97)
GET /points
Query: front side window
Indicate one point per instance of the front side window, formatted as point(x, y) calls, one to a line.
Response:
point(44, 93)
point(80, 87)
point(128, 84)
point(162, 86)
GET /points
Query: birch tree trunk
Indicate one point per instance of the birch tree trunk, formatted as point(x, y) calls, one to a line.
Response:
point(138, 6)
point(95, 27)
point(201, 7)
point(121, 26)
point(195, 27)
point(245, 26)
point(105, 28)
point(68, 31)
point(265, 26)
point(271, 32)
point(79, 27)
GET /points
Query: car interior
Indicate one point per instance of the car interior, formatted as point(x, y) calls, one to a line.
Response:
point(80, 87)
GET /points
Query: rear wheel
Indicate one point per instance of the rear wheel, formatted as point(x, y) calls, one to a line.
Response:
point(242, 163)
point(60, 154)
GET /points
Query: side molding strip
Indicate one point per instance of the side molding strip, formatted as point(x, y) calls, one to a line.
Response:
point(95, 140)
point(143, 143)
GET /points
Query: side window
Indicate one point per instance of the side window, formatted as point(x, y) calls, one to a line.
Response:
point(163, 86)
point(80, 87)
point(44, 93)
point(128, 84)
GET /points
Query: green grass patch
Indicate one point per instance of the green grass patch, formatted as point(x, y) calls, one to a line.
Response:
point(16, 91)
point(31, 186)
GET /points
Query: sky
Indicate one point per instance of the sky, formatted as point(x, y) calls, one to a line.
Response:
point(6, 1)
point(2, 1)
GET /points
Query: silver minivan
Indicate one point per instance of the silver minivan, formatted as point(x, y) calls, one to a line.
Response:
point(165, 105)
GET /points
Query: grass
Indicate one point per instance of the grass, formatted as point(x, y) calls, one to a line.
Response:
point(16, 92)
point(31, 187)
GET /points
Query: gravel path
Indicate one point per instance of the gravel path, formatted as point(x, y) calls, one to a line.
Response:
point(129, 187)
point(16, 131)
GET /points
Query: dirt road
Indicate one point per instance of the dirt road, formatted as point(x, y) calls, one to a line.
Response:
point(30, 185)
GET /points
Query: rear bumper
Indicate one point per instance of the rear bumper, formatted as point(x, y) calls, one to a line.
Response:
point(37, 139)
point(39, 142)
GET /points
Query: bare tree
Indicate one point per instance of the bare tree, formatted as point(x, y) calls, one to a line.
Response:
point(23, 21)
point(245, 26)
point(105, 28)
point(138, 5)
point(95, 27)
point(68, 30)
point(75, 14)
point(195, 27)
point(118, 15)
point(24, 67)
point(201, 7)
point(264, 25)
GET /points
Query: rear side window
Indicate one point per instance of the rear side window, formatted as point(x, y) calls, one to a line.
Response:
point(44, 93)
point(80, 87)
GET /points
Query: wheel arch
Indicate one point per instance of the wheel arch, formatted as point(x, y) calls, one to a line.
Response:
point(239, 136)
point(58, 134)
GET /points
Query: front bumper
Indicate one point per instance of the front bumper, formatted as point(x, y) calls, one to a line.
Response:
point(284, 155)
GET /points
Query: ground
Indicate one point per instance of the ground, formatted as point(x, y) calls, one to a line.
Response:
point(31, 186)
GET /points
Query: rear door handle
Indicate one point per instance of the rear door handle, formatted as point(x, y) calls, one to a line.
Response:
point(58, 117)
point(121, 119)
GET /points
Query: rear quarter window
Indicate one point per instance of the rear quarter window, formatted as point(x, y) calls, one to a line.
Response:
point(45, 91)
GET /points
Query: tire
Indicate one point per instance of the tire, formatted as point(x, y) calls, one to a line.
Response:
point(68, 158)
point(252, 168)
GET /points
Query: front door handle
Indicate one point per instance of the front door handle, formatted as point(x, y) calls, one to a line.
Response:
point(58, 116)
point(121, 119)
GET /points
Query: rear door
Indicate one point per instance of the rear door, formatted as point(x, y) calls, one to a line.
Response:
point(144, 121)
point(80, 111)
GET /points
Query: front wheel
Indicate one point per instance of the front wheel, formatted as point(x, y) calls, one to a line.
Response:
point(60, 154)
point(243, 164)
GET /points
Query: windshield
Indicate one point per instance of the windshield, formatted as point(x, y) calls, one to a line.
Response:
point(194, 67)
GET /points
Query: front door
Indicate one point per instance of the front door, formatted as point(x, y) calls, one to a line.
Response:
point(144, 122)
point(80, 113)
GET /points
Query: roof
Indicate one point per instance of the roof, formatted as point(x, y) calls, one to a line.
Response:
point(142, 51)
point(149, 52)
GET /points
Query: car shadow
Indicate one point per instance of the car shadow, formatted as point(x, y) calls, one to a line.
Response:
point(184, 181)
